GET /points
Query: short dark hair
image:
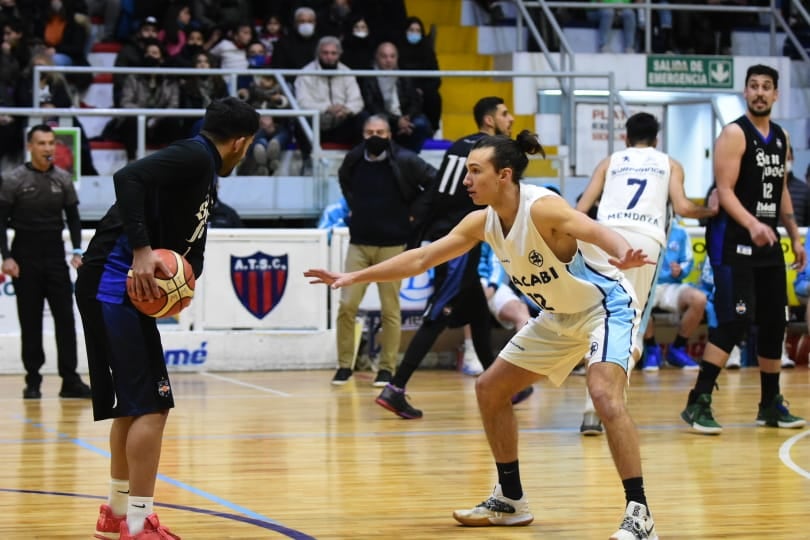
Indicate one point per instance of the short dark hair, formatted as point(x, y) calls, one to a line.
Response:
point(642, 128)
point(42, 128)
point(230, 118)
point(762, 69)
point(484, 107)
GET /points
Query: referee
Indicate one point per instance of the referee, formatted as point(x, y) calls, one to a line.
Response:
point(33, 198)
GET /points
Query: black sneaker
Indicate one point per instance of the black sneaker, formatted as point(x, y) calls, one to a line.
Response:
point(383, 377)
point(76, 390)
point(523, 395)
point(342, 376)
point(393, 399)
point(32, 392)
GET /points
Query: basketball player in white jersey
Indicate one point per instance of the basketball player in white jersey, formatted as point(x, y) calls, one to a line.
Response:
point(569, 265)
point(634, 187)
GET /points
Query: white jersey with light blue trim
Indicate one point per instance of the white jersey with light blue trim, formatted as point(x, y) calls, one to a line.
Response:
point(636, 192)
point(556, 286)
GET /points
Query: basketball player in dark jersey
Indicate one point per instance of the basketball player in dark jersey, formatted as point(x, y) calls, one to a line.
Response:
point(746, 255)
point(458, 298)
point(162, 201)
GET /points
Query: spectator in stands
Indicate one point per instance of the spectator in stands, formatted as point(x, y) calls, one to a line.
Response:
point(59, 30)
point(358, 47)
point(108, 10)
point(195, 44)
point(298, 47)
point(228, 13)
point(603, 18)
point(672, 294)
point(54, 91)
point(175, 25)
point(24, 12)
point(416, 51)
point(274, 133)
point(231, 50)
point(198, 91)
point(386, 18)
point(381, 183)
point(337, 97)
point(150, 91)
point(799, 192)
point(333, 19)
point(270, 33)
point(397, 99)
point(15, 44)
point(132, 53)
point(11, 134)
point(801, 285)
point(494, 10)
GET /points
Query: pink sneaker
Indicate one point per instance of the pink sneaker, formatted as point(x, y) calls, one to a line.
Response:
point(108, 526)
point(152, 530)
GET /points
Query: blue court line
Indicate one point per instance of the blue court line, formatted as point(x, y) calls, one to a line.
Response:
point(249, 516)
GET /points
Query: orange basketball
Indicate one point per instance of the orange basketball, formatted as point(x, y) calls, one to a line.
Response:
point(177, 290)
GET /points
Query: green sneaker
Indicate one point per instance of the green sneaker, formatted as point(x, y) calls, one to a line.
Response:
point(777, 415)
point(699, 416)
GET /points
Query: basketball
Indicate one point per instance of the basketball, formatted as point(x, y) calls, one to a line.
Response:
point(177, 289)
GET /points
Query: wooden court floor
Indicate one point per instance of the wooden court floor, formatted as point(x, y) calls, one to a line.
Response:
point(286, 454)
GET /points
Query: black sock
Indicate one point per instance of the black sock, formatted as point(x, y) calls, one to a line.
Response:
point(509, 479)
point(706, 381)
point(769, 382)
point(680, 342)
point(634, 490)
point(650, 341)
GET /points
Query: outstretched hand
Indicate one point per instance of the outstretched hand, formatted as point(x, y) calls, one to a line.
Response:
point(335, 280)
point(632, 259)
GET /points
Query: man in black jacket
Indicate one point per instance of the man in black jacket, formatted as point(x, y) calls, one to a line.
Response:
point(382, 184)
point(396, 99)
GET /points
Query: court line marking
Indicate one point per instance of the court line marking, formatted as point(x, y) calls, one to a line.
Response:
point(249, 515)
point(784, 454)
point(245, 384)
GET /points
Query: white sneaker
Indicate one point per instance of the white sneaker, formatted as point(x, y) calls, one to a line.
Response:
point(637, 524)
point(787, 362)
point(495, 511)
point(471, 365)
point(733, 361)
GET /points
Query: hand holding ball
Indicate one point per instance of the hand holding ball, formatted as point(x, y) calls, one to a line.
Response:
point(176, 289)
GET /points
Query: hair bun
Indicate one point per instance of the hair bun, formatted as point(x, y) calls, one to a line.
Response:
point(530, 143)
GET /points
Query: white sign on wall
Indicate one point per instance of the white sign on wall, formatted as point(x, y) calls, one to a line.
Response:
point(592, 132)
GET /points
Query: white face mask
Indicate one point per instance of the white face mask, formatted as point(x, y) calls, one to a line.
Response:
point(789, 166)
point(360, 34)
point(306, 29)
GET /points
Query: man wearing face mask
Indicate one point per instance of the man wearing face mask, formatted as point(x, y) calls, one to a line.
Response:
point(337, 98)
point(799, 193)
point(132, 52)
point(297, 48)
point(382, 184)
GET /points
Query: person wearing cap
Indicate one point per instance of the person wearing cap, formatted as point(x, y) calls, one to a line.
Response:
point(132, 53)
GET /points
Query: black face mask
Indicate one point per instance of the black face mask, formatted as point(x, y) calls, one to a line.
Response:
point(376, 145)
point(327, 66)
point(151, 61)
point(192, 50)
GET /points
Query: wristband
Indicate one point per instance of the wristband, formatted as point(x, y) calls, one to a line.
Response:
point(78, 252)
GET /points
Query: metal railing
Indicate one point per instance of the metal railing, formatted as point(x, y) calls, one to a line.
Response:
point(567, 136)
point(648, 7)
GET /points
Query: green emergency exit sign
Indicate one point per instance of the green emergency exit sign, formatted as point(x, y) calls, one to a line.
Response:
point(708, 72)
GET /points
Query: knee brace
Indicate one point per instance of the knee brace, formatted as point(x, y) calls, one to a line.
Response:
point(726, 335)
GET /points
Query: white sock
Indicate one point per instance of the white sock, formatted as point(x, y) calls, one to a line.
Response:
point(468, 343)
point(119, 496)
point(588, 402)
point(137, 511)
